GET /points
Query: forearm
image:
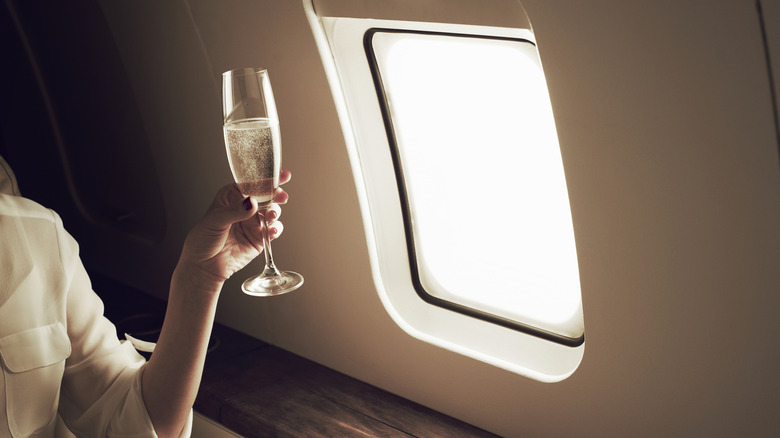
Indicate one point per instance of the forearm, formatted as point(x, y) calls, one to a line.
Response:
point(171, 378)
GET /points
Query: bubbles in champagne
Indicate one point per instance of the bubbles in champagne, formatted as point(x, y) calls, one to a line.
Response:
point(254, 154)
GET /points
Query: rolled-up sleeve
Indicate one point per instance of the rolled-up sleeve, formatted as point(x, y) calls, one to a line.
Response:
point(101, 391)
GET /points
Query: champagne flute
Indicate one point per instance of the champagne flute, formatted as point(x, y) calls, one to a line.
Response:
point(254, 149)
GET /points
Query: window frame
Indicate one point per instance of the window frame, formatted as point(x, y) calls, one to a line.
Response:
point(338, 34)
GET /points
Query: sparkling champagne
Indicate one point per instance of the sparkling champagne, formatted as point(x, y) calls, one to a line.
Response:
point(253, 145)
point(254, 153)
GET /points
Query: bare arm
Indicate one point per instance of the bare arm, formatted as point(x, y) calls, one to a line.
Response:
point(224, 241)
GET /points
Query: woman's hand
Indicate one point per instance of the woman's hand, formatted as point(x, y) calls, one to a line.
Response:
point(230, 234)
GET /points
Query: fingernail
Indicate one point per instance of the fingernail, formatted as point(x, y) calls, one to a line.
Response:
point(247, 204)
point(274, 231)
point(271, 215)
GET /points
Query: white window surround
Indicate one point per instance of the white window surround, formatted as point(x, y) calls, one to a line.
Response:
point(341, 44)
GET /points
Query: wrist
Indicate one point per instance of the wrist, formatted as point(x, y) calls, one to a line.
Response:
point(194, 279)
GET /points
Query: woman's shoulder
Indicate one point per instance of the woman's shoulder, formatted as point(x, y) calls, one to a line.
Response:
point(23, 208)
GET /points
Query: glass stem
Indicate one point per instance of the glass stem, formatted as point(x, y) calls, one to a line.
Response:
point(270, 268)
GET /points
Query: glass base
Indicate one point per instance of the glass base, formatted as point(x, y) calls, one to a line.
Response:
point(261, 286)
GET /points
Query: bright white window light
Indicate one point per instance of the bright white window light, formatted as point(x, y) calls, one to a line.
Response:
point(486, 194)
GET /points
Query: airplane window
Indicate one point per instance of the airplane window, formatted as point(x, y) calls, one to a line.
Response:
point(454, 153)
point(480, 176)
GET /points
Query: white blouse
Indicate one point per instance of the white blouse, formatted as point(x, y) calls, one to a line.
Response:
point(60, 359)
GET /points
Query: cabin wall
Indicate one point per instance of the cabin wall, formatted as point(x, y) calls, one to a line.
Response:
point(665, 120)
point(666, 126)
point(668, 135)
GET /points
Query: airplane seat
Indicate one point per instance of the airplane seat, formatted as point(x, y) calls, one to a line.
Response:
point(72, 130)
point(70, 123)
